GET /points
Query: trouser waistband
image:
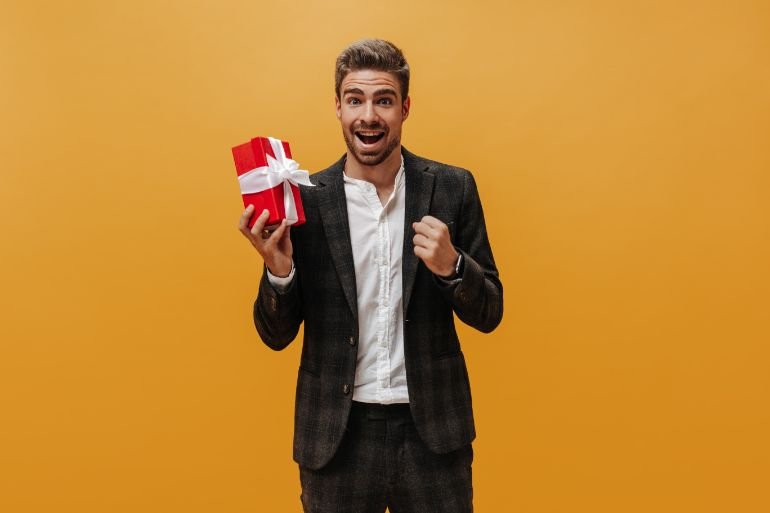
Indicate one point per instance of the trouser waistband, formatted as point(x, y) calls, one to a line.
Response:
point(375, 411)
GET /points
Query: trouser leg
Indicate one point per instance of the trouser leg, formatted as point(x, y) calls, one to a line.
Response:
point(382, 461)
point(429, 482)
point(354, 481)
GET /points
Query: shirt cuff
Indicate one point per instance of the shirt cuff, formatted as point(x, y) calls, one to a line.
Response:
point(280, 283)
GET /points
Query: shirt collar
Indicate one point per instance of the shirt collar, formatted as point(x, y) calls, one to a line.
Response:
point(396, 183)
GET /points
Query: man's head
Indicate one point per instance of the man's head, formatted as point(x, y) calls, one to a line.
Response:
point(373, 54)
point(372, 85)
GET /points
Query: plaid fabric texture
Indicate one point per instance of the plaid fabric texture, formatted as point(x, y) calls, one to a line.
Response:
point(323, 296)
point(382, 462)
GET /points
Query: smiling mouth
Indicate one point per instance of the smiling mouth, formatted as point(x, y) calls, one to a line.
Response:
point(369, 137)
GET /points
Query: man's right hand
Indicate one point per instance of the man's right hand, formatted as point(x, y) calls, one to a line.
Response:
point(273, 243)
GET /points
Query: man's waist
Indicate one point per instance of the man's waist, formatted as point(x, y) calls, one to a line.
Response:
point(379, 411)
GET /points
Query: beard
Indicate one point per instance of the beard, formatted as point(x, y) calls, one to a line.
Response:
point(369, 159)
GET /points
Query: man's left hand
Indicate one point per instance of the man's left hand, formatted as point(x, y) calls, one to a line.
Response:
point(433, 246)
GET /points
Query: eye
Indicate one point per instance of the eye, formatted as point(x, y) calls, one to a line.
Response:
point(353, 101)
point(385, 101)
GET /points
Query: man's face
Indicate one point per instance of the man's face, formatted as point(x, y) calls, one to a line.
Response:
point(371, 111)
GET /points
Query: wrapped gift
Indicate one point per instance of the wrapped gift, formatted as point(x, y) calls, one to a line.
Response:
point(270, 179)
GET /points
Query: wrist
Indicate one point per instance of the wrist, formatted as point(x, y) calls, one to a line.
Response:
point(280, 270)
point(455, 271)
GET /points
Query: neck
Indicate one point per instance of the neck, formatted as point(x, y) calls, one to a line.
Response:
point(382, 175)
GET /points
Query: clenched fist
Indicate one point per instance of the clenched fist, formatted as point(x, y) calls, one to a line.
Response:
point(433, 246)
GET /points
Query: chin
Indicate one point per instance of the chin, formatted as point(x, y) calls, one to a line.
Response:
point(370, 160)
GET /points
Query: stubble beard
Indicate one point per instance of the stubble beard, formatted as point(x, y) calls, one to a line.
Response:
point(369, 160)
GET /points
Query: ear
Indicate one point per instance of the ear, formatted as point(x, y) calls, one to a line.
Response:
point(405, 107)
point(338, 106)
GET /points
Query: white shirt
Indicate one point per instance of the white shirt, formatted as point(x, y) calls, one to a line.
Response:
point(377, 239)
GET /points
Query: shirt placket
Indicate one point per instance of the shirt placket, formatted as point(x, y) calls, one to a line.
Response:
point(383, 308)
point(382, 262)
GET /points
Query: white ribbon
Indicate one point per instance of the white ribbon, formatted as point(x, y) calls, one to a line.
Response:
point(280, 169)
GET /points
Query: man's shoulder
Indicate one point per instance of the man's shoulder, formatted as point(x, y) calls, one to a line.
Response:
point(442, 172)
point(326, 175)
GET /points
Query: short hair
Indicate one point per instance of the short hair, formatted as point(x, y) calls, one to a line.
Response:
point(374, 54)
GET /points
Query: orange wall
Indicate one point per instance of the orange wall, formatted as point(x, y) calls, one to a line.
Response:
point(621, 151)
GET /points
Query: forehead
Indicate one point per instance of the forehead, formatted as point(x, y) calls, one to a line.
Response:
point(368, 79)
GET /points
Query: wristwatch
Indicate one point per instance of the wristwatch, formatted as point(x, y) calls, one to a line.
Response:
point(458, 267)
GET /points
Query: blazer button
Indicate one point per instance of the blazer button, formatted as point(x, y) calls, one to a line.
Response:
point(346, 389)
point(352, 340)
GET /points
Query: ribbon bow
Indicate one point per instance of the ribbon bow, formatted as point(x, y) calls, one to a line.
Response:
point(280, 169)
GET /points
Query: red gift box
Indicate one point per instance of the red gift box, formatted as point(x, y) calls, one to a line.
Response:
point(253, 155)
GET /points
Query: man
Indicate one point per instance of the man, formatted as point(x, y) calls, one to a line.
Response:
point(393, 245)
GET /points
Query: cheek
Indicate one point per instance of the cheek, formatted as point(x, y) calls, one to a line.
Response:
point(395, 120)
point(394, 126)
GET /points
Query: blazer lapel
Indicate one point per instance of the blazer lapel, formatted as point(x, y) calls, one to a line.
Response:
point(419, 193)
point(334, 214)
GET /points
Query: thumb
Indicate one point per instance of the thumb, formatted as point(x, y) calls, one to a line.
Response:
point(281, 231)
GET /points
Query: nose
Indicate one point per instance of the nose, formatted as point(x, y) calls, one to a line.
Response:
point(369, 114)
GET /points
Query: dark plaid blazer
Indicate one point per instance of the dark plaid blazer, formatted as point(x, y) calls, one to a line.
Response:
point(323, 295)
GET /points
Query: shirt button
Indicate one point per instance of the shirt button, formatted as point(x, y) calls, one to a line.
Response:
point(346, 389)
point(352, 340)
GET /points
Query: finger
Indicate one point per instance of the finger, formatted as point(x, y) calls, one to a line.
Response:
point(421, 240)
point(424, 229)
point(243, 221)
point(433, 222)
point(278, 233)
point(421, 253)
point(287, 233)
point(259, 224)
point(440, 229)
point(267, 231)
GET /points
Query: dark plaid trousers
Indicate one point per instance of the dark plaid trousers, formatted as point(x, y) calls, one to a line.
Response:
point(382, 462)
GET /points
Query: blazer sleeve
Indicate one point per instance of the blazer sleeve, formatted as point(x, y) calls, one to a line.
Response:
point(278, 314)
point(477, 297)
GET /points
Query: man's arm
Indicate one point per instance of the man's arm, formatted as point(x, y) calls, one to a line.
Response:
point(476, 294)
point(277, 309)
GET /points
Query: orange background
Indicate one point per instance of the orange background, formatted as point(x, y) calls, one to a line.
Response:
point(621, 151)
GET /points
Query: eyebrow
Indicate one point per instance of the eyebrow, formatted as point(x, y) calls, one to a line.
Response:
point(352, 90)
point(385, 91)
